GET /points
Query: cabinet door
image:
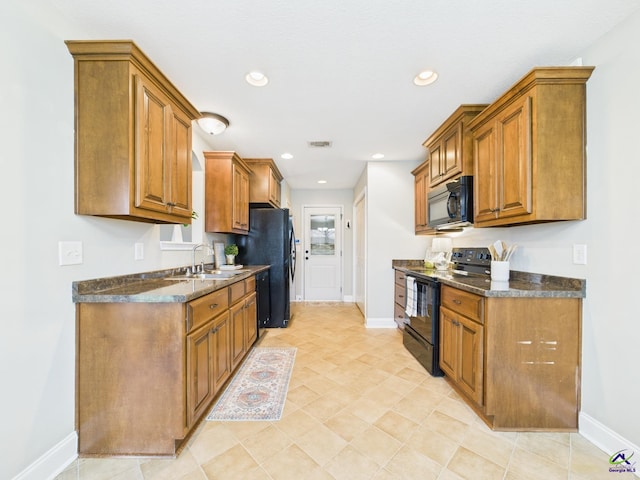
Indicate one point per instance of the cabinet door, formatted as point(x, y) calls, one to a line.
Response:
point(240, 213)
point(420, 202)
point(514, 156)
point(200, 388)
point(470, 372)
point(451, 161)
point(250, 320)
point(180, 166)
point(435, 162)
point(448, 343)
point(237, 340)
point(421, 188)
point(485, 186)
point(153, 120)
point(274, 189)
point(221, 351)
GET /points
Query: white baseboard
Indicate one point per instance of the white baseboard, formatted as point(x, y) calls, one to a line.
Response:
point(53, 462)
point(380, 323)
point(347, 298)
point(603, 437)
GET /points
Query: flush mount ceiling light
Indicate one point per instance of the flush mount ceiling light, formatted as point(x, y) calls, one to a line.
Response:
point(322, 181)
point(426, 77)
point(286, 156)
point(212, 123)
point(377, 156)
point(257, 79)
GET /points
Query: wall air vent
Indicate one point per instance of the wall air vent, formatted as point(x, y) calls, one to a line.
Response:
point(320, 144)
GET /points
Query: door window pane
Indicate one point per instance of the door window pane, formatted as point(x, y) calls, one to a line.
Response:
point(323, 235)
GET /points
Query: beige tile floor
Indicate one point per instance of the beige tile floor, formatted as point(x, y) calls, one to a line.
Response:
point(360, 407)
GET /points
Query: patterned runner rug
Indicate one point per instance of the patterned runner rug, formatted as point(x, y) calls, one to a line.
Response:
point(259, 389)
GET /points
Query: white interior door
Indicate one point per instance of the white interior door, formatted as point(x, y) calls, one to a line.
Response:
point(323, 253)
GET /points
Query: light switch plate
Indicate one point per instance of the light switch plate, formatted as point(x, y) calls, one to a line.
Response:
point(70, 253)
point(579, 254)
point(139, 251)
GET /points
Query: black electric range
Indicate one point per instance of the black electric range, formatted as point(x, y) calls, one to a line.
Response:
point(421, 335)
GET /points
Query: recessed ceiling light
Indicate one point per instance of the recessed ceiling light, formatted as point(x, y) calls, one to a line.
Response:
point(257, 79)
point(286, 156)
point(322, 181)
point(377, 156)
point(426, 77)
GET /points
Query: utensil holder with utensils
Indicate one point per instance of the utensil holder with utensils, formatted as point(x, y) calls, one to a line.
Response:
point(500, 256)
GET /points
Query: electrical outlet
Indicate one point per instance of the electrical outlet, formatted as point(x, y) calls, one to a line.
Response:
point(579, 254)
point(139, 251)
point(70, 253)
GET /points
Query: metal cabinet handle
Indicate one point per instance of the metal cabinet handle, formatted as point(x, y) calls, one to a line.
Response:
point(213, 305)
point(457, 302)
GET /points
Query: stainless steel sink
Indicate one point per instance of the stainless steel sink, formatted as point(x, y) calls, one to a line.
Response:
point(207, 275)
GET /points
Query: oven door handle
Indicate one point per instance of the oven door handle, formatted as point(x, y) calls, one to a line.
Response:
point(415, 335)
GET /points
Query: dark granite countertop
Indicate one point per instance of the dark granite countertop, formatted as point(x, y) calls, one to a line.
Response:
point(153, 287)
point(520, 284)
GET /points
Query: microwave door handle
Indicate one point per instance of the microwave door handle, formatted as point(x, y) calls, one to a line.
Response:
point(452, 201)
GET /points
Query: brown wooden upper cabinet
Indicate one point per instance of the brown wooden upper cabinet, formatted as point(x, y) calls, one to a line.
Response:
point(529, 150)
point(421, 187)
point(264, 182)
point(449, 156)
point(226, 193)
point(450, 146)
point(133, 136)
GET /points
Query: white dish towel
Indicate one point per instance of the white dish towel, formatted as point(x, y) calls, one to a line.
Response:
point(412, 297)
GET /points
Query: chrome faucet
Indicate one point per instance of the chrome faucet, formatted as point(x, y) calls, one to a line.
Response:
point(193, 257)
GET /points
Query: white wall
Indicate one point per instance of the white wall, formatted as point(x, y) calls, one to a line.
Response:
point(611, 335)
point(37, 345)
point(390, 232)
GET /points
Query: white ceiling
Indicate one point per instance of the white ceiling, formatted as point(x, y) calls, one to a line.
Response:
point(342, 70)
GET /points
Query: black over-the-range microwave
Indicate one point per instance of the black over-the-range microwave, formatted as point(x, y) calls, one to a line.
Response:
point(451, 206)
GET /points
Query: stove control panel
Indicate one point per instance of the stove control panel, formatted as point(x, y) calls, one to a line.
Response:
point(471, 256)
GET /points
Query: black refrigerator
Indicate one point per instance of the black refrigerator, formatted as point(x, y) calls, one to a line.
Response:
point(271, 241)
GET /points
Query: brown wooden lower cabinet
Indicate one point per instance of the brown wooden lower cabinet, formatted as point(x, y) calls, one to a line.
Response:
point(207, 364)
point(461, 352)
point(400, 298)
point(515, 360)
point(146, 373)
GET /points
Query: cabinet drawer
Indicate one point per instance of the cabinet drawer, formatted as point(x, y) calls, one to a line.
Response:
point(401, 296)
point(468, 304)
point(398, 313)
point(237, 291)
point(250, 284)
point(203, 309)
point(401, 278)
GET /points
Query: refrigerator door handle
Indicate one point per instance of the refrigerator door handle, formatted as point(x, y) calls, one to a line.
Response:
point(292, 249)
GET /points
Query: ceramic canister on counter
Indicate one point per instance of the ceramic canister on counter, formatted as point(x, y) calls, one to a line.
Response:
point(499, 271)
